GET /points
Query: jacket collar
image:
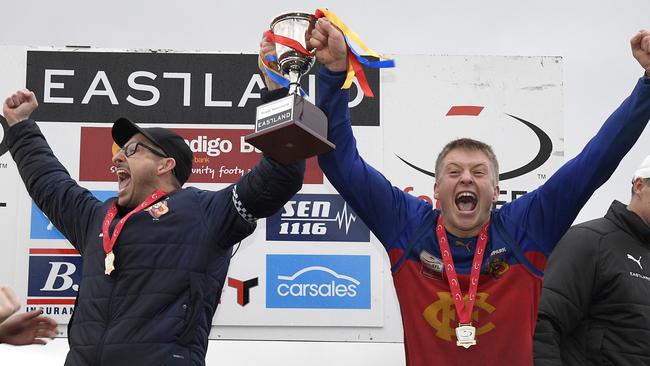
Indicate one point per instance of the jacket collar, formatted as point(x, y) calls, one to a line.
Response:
point(629, 221)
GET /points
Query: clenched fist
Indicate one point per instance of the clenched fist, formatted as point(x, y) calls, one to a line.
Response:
point(641, 49)
point(19, 106)
point(331, 49)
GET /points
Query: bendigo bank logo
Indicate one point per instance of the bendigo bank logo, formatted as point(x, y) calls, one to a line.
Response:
point(318, 281)
point(316, 217)
point(54, 277)
point(220, 155)
point(543, 154)
point(441, 315)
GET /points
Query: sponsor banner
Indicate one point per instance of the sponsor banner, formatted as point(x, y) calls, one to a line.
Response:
point(513, 104)
point(291, 288)
point(318, 281)
point(53, 281)
point(163, 87)
point(220, 155)
point(316, 217)
point(42, 228)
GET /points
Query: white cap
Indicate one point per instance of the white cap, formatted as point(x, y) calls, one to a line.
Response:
point(643, 171)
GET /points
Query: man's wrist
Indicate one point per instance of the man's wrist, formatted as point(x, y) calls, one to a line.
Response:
point(338, 66)
point(11, 122)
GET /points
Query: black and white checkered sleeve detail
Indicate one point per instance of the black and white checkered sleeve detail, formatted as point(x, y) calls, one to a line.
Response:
point(240, 207)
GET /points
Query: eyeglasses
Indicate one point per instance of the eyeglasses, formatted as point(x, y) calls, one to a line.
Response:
point(132, 147)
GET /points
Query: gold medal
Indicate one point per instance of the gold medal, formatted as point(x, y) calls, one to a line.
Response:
point(465, 335)
point(108, 263)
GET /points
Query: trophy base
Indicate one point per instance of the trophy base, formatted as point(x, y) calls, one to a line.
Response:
point(292, 129)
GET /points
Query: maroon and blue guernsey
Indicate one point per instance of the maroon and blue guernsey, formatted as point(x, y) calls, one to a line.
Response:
point(522, 234)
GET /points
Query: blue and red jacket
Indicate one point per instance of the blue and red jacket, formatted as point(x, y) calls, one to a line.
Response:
point(521, 236)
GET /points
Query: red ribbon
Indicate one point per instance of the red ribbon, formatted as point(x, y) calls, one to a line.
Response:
point(361, 76)
point(291, 43)
point(464, 312)
point(109, 241)
point(354, 65)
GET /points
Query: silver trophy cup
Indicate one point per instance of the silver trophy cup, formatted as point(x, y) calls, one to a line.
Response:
point(291, 128)
point(297, 26)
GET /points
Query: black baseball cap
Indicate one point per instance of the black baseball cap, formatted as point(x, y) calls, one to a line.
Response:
point(166, 140)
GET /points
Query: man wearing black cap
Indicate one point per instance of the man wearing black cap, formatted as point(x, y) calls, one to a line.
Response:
point(155, 258)
point(164, 145)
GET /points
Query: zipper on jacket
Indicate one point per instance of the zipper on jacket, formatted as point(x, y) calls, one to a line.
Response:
point(100, 345)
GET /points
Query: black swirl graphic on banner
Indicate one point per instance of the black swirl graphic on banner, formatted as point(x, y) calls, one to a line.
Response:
point(544, 153)
point(5, 129)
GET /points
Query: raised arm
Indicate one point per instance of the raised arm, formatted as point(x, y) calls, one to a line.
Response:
point(384, 208)
point(266, 188)
point(544, 215)
point(233, 212)
point(68, 205)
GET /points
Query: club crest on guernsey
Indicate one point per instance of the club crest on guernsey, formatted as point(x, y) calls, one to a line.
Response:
point(497, 266)
point(158, 209)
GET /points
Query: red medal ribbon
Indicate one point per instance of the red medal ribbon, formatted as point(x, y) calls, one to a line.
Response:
point(355, 65)
point(109, 241)
point(285, 41)
point(464, 313)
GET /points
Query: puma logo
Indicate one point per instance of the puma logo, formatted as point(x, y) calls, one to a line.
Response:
point(638, 261)
point(464, 245)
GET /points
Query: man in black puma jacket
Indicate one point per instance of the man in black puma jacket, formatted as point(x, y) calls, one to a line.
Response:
point(595, 305)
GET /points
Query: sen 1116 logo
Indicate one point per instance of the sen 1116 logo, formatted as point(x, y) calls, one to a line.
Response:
point(319, 217)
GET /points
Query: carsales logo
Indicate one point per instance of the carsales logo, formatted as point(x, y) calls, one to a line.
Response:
point(220, 155)
point(318, 281)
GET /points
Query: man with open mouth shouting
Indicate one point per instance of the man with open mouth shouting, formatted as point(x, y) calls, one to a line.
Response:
point(460, 306)
point(154, 259)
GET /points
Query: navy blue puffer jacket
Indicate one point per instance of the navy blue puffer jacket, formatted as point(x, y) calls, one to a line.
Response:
point(156, 308)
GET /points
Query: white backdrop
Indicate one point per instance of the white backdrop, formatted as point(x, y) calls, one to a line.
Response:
point(592, 38)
